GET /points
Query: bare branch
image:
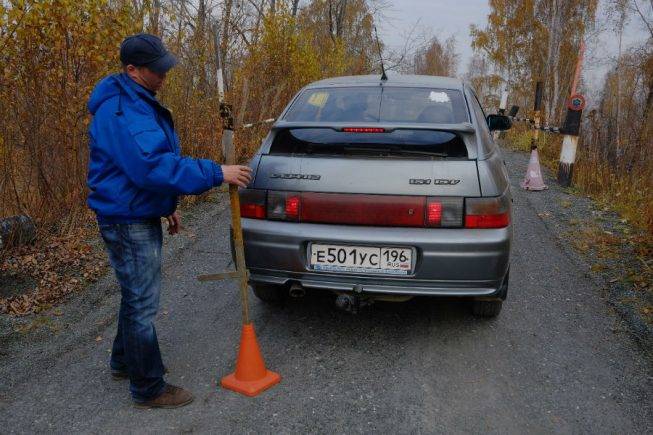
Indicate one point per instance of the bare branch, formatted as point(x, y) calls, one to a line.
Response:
point(641, 15)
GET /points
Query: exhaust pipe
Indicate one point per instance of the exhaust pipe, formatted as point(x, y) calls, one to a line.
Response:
point(296, 291)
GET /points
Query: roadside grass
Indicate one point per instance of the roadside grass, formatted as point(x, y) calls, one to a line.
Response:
point(621, 258)
point(627, 191)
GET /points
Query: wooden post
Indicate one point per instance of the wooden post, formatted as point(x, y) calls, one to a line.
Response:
point(571, 130)
point(502, 108)
point(504, 101)
point(229, 152)
point(251, 377)
point(537, 107)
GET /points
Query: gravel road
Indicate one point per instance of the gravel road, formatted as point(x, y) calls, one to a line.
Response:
point(557, 359)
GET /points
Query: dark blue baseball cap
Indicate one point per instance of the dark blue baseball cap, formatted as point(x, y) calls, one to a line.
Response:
point(146, 50)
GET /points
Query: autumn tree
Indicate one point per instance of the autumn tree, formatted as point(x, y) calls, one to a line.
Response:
point(436, 58)
point(535, 40)
point(485, 82)
point(52, 53)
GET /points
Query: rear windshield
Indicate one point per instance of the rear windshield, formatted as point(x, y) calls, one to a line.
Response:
point(379, 104)
point(402, 143)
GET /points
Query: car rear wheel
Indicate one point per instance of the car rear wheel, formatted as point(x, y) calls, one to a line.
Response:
point(269, 293)
point(492, 307)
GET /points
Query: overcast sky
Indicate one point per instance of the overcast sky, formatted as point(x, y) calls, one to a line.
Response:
point(444, 18)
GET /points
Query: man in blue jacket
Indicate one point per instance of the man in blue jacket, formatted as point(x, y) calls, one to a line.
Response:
point(136, 172)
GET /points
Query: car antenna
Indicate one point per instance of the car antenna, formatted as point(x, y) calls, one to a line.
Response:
point(384, 77)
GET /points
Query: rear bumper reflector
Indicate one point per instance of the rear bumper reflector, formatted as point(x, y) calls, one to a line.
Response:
point(376, 210)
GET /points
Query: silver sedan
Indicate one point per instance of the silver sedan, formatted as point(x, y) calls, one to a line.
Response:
point(381, 189)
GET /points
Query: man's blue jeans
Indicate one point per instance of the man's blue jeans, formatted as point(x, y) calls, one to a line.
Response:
point(135, 254)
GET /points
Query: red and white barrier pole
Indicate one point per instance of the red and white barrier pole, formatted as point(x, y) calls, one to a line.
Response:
point(575, 106)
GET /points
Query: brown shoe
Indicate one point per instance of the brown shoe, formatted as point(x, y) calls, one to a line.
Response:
point(171, 397)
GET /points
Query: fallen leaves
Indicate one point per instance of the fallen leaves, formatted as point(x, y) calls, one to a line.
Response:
point(56, 266)
point(623, 258)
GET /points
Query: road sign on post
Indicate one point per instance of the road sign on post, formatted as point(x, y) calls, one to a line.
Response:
point(576, 102)
point(575, 105)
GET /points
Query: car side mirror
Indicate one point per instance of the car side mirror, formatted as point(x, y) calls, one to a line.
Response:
point(498, 122)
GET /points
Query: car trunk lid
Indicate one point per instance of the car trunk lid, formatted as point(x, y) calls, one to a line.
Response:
point(370, 161)
point(387, 176)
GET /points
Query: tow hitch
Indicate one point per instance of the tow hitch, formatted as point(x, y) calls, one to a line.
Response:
point(353, 302)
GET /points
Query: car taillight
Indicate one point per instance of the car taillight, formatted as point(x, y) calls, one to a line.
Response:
point(252, 203)
point(444, 212)
point(487, 212)
point(284, 205)
point(363, 130)
point(433, 213)
point(355, 209)
point(292, 207)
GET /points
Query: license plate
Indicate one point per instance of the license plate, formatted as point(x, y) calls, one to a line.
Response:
point(364, 259)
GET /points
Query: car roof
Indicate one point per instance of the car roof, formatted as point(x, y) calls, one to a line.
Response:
point(408, 80)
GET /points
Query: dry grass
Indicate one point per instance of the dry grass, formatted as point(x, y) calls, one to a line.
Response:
point(623, 259)
point(626, 190)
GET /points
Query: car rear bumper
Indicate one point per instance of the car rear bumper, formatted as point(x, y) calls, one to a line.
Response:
point(449, 262)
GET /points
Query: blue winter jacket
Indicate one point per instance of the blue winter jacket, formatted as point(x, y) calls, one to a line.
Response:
point(136, 170)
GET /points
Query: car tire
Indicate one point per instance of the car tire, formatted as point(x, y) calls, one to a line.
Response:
point(492, 307)
point(487, 309)
point(269, 293)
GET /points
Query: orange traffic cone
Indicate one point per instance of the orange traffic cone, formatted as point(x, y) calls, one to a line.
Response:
point(251, 377)
point(533, 179)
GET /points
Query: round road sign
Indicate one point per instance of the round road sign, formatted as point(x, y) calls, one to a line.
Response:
point(576, 102)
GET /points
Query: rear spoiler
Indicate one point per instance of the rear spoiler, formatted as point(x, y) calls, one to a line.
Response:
point(463, 127)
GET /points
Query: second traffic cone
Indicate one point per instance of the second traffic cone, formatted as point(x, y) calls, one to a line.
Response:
point(251, 377)
point(533, 179)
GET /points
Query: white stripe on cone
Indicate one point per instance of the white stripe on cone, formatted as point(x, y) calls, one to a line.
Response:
point(533, 179)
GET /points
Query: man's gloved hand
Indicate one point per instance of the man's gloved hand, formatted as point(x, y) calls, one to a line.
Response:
point(237, 174)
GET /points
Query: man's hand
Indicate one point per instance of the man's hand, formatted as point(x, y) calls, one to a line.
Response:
point(236, 174)
point(174, 223)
